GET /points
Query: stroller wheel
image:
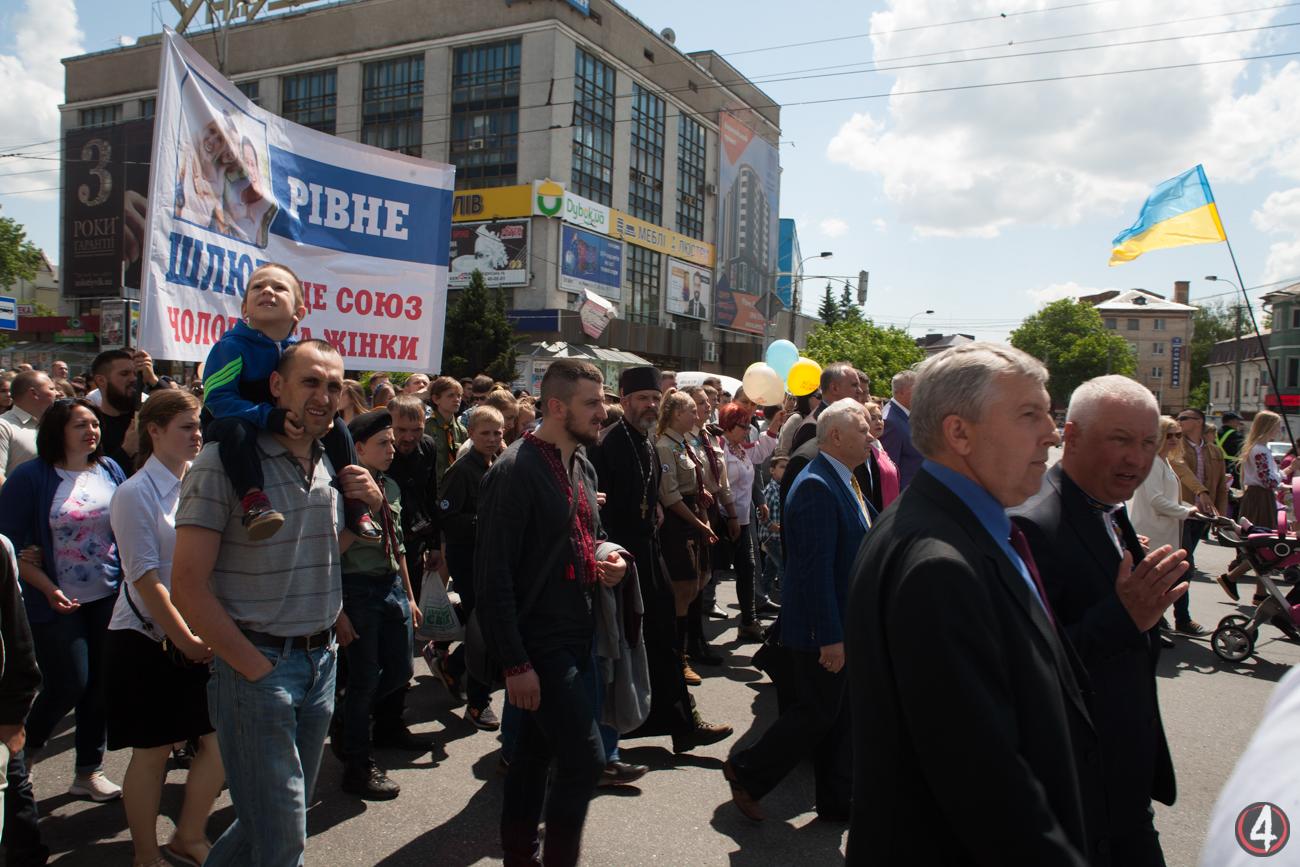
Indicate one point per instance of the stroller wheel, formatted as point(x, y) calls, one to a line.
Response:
point(1240, 621)
point(1231, 643)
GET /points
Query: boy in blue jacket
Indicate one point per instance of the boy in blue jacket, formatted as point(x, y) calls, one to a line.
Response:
point(237, 391)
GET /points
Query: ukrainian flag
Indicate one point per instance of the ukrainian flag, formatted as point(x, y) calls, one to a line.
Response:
point(1181, 211)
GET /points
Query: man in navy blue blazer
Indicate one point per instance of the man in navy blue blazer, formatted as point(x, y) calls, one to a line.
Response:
point(897, 437)
point(832, 515)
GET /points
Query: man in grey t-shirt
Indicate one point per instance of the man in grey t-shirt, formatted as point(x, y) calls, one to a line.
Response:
point(268, 608)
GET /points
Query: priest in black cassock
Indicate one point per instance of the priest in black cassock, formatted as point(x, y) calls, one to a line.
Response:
point(627, 472)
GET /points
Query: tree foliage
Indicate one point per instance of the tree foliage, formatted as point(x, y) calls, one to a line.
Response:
point(478, 337)
point(849, 311)
point(878, 352)
point(19, 258)
point(829, 311)
point(1069, 337)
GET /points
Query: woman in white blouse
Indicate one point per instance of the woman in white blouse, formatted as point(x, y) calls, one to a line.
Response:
point(1157, 510)
point(742, 457)
point(157, 673)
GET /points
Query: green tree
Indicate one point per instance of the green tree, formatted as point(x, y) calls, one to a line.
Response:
point(849, 311)
point(19, 258)
point(829, 312)
point(478, 338)
point(1210, 324)
point(1070, 338)
point(1199, 396)
point(878, 352)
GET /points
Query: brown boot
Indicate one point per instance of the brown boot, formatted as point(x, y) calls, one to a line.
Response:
point(688, 673)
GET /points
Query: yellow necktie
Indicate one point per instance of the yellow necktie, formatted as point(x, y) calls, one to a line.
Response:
point(862, 501)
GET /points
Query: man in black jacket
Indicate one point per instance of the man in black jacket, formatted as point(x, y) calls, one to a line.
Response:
point(19, 681)
point(535, 572)
point(1079, 531)
point(977, 747)
point(627, 470)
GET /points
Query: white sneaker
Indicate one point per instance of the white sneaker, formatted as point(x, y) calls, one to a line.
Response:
point(95, 786)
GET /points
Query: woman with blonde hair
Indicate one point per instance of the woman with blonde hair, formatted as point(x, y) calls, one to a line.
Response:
point(1260, 476)
point(1157, 510)
point(353, 400)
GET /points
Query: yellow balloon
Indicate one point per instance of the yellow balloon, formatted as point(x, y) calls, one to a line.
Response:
point(804, 377)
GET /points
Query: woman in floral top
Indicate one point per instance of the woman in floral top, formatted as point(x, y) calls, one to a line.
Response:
point(56, 510)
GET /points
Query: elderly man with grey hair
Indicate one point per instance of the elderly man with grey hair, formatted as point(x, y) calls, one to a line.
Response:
point(976, 747)
point(831, 514)
point(1081, 537)
point(897, 436)
point(838, 381)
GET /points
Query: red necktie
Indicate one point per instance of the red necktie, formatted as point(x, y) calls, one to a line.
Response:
point(1021, 546)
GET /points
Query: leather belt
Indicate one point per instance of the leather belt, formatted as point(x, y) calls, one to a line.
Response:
point(315, 641)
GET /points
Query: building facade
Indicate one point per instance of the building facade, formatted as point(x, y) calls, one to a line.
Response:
point(587, 149)
point(1222, 367)
point(1159, 335)
point(1284, 348)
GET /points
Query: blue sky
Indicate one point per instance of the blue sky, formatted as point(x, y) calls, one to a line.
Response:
point(980, 202)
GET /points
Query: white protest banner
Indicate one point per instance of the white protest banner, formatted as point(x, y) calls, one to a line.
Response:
point(233, 186)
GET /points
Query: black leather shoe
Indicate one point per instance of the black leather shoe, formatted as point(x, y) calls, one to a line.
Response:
point(744, 801)
point(401, 739)
point(367, 781)
point(767, 608)
point(704, 655)
point(621, 774)
point(1165, 641)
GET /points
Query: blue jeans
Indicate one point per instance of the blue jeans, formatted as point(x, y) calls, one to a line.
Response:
point(70, 653)
point(271, 733)
point(379, 660)
point(562, 729)
point(772, 571)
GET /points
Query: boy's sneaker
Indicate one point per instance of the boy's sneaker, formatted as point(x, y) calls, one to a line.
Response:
point(358, 520)
point(95, 786)
point(366, 780)
point(260, 519)
point(437, 660)
point(482, 719)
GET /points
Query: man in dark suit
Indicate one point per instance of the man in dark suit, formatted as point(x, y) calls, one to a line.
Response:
point(838, 381)
point(827, 506)
point(972, 742)
point(897, 437)
point(1079, 531)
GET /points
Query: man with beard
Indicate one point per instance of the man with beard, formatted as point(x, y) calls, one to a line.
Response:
point(537, 560)
point(115, 376)
point(627, 469)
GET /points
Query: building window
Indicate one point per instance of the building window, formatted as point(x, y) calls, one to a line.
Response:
point(1158, 324)
point(392, 104)
point(1295, 317)
point(643, 285)
point(1157, 372)
point(645, 197)
point(593, 128)
point(1216, 389)
point(692, 138)
point(1111, 324)
point(148, 107)
point(1134, 324)
point(1157, 348)
point(252, 90)
point(310, 99)
point(485, 114)
point(101, 115)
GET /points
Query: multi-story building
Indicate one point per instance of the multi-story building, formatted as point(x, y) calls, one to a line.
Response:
point(1284, 348)
point(1159, 334)
point(580, 101)
point(1225, 356)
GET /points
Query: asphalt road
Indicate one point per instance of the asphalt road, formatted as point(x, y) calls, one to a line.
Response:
point(680, 814)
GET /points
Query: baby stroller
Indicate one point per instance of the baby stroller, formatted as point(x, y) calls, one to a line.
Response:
point(1271, 555)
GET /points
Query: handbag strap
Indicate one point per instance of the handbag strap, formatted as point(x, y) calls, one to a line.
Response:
point(553, 556)
point(148, 624)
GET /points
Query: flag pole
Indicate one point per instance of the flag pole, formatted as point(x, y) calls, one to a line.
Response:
point(1268, 365)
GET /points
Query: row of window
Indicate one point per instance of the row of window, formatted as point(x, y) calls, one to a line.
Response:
point(1248, 387)
point(1135, 324)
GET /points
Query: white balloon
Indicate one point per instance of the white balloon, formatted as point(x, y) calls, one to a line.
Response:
point(763, 385)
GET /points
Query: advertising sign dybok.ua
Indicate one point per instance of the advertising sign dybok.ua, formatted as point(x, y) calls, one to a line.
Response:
point(233, 186)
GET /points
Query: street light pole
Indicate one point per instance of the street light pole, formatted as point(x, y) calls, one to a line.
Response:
point(796, 281)
point(908, 329)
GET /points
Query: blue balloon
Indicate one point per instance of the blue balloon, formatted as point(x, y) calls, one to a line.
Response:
point(781, 356)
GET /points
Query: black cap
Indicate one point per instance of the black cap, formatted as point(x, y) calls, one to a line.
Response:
point(643, 378)
point(1231, 416)
point(366, 425)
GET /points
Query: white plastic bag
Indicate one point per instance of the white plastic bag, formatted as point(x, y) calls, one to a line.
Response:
point(440, 620)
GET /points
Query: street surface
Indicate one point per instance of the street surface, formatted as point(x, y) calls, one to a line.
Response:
point(680, 813)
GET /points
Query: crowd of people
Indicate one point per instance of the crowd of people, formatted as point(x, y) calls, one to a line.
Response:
point(230, 575)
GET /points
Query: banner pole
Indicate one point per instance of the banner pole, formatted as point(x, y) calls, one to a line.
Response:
point(1254, 325)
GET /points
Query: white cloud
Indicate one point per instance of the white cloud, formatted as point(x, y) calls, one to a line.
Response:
point(974, 162)
point(879, 224)
point(31, 88)
point(1280, 215)
point(833, 227)
point(1057, 291)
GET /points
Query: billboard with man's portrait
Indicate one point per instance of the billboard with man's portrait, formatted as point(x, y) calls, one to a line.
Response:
point(690, 289)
